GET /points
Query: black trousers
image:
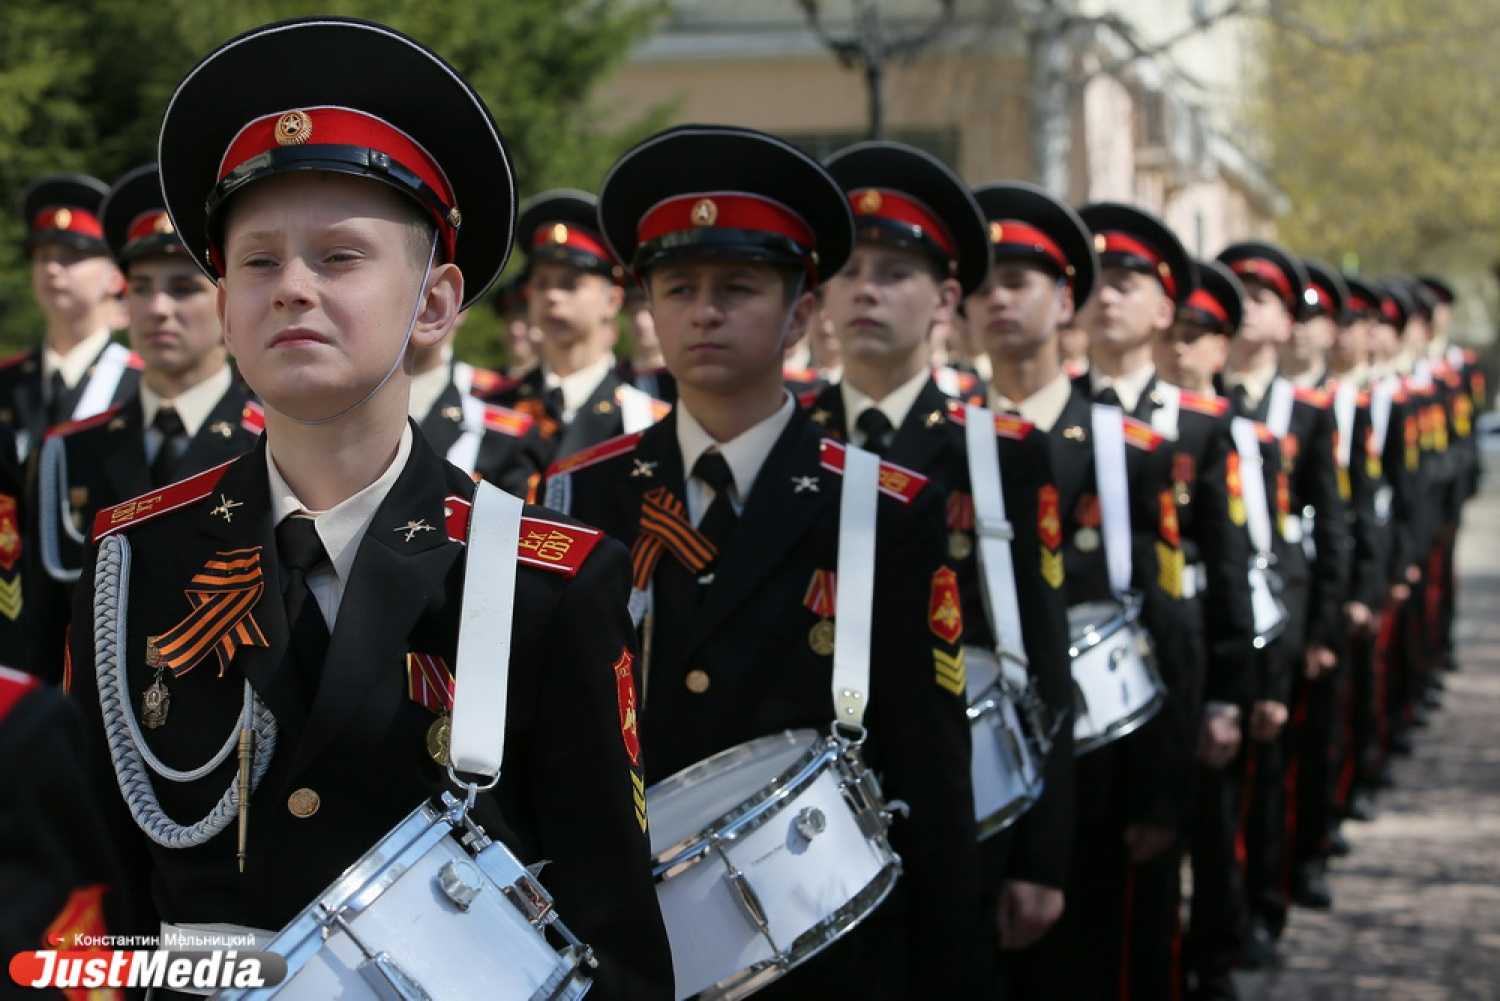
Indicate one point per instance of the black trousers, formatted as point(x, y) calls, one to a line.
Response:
point(1313, 739)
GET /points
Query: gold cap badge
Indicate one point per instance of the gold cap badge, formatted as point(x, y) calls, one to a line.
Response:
point(870, 202)
point(61, 218)
point(997, 233)
point(163, 224)
point(293, 129)
point(559, 233)
point(1100, 243)
point(705, 212)
point(455, 217)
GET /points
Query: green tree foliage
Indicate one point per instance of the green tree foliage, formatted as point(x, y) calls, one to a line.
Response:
point(83, 86)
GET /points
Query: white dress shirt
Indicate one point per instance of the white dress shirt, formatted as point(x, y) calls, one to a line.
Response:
point(896, 405)
point(745, 454)
point(426, 387)
point(1127, 387)
point(578, 387)
point(1041, 408)
point(341, 528)
point(192, 405)
point(75, 364)
point(1256, 382)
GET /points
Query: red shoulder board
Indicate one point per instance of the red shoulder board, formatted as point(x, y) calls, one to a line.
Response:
point(967, 381)
point(1141, 435)
point(485, 380)
point(1471, 357)
point(147, 506)
point(506, 420)
point(73, 427)
point(1264, 434)
point(456, 517)
point(623, 445)
point(13, 687)
point(135, 361)
point(1363, 399)
point(253, 417)
point(808, 397)
point(554, 546)
point(896, 481)
point(660, 408)
point(800, 375)
point(1399, 395)
point(1011, 426)
point(13, 360)
point(1213, 406)
point(1312, 397)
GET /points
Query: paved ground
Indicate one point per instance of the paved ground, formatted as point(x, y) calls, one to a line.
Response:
point(1417, 905)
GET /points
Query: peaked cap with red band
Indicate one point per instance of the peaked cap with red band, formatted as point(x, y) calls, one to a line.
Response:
point(563, 225)
point(64, 208)
point(1024, 221)
point(135, 219)
point(1326, 293)
point(343, 96)
point(1396, 306)
point(1438, 287)
point(1364, 297)
point(1128, 237)
point(1423, 300)
point(902, 195)
point(722, 192)
point(1218, 303)
point(1268, 264)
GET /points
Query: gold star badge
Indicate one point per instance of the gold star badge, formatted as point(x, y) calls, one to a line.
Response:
point(1074, 433)
point(221, 428)
point(934, 419)
point(61, 218)
point(293, 129)
point(870, 202)
point(454, 414)
point(117, 424)
point(163, 224)
point(603, 407)
point(821, 416)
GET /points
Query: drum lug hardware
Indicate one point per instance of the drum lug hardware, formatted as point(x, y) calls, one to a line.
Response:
point(750, 902)
point(382, 973)
point(460, 883)
point(530, 899)
point(810, 822)
point(893, 808)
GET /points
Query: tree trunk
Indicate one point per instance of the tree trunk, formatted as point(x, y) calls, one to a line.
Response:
point(1051, 124)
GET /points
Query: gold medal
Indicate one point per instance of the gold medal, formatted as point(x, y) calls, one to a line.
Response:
point(438, 736)
point(960, 545)
point(154, 704)
point(1086, 539)
point(820, 637)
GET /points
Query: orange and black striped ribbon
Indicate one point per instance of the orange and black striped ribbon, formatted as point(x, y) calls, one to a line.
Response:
point(665, 526)
point(223, 594)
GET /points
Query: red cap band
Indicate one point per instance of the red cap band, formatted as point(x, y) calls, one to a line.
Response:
point(724, 210)
point(560, 234)
point(68, 219)
point(1360, 304)
point(148, 224)
point(1390, 310)
point(1264, 271)
point(1204, 301)
point(1014, 233)
point(1117, 242)
point(327, 126)
point(884, 203)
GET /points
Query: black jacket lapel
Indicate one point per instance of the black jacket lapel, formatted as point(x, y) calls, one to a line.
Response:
point(597, 420)
point(222, 436)
point(827, 413)
point(922, 434)
point(125, 465)
point(444, 422)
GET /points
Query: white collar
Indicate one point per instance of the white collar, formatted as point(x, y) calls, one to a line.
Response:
point(1257, 382)
point(75, 364)
point(426, 387)
point(578, 387)
point(1308, 379)
point(745, 453)
point(896, 404)
point(1041, 408)
point(192, 405)
point(343, 526)
point(1127, 387)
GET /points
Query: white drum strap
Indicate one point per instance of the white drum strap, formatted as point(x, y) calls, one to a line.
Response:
point(946, 378)
point(108, 371)
point(1345, 398)
point(1113, 485)
point(855, 589)
point(635, 409)
point(1252, 483)
point(464, 453)
point(482, 675)
point(463, 377)
point(996, 536)
point(1421, 373)
point(1279, 410)
point(1381, 396)
point(1164, 417)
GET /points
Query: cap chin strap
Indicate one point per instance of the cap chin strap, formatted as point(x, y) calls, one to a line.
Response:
point(411, 326)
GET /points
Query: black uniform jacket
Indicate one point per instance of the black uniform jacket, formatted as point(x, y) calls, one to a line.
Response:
point(508, 448)
point(17, 630)
point(1147, 773)
point(931, 440)
point(750, 638)
point(567, 788)
point(23, 404)
point(105, 459)
point(598, 420)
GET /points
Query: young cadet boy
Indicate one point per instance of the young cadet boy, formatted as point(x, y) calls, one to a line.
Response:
point(921, 244)
point(1126, 791)
point(354, 203)
point(17, 633)
point(727, 228)
point(77, 371)
point(1302, 422)
point(188, 415)
point(574, 297)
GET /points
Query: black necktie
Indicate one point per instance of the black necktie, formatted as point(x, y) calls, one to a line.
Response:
point(1108, 397)
point(719, 520)
point(876, 427)
point(57, 399)
point(174, 442)
point(301, 552)
point(552, 399)
point(1240, 397)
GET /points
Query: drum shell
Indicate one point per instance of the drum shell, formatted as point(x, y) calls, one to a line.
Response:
point(1005, 764)
point(1115, 681)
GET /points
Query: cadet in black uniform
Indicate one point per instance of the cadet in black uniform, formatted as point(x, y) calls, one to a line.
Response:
point(921, 244)
point(574, 296)
point(189, 413)
point(363, 182)
point(16, 630)
point(1129, 791)
point(77, 370)
point(727, 228)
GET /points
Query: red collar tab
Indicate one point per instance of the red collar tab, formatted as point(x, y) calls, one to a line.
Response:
point(153, 223)
point(1117, 242)
point(330, 126)
point(724, 210)
point(1013, 233)
point(893, 206)
point(561, 234)
point(1264, 271)
point(67, 219)
point(1205, 302)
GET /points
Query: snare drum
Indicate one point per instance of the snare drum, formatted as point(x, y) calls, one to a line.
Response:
point(1268, 611)
point(1008, 745)
point(1115, 683)
point(423, 915)
point(763, 855)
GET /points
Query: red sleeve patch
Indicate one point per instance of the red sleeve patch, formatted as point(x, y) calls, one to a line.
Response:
point(625, 696)
point(897, 482)
point(1048, 518)
point(944, 613)
point(13, 687)
point(158, 502)
point(623, 445)
point(506, 421)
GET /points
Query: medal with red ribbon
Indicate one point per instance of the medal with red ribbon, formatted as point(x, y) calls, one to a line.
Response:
point(822, 592)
